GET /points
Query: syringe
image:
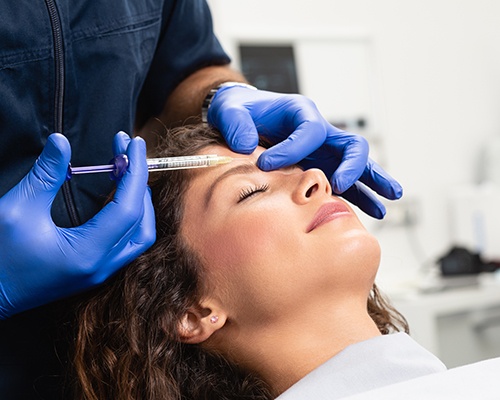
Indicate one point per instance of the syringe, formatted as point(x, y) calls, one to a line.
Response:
point(118, 165)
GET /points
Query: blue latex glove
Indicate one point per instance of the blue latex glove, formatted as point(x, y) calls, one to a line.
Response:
point(300, 135)
point(40, 262)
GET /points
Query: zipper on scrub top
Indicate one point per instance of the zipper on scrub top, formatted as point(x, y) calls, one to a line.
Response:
point(55, 21)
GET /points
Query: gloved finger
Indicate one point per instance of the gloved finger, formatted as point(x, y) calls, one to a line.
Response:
point(354, 159)
point(145, 234)
point(237, 127)
point(50, 169)
point(134, 243)
point(126, 208)
point(298, 145)
point(380, 181)
point(365, 200)
point(120, 143)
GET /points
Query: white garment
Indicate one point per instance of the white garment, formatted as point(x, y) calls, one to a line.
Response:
point(478, 381)
point(373, 363)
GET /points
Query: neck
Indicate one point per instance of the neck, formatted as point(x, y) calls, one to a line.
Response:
point(285, 351)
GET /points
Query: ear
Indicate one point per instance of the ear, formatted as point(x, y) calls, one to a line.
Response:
point(199, 323)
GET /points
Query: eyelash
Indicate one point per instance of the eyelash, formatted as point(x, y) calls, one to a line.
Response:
point(248, 192)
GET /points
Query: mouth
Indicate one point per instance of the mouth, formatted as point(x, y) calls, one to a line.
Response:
point(326, 213)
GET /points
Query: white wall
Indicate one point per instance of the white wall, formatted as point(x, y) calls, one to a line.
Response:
point(437, 73)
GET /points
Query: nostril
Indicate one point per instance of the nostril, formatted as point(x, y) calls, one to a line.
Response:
point(311, 190)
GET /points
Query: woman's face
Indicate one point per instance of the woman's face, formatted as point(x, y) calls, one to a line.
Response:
point(274, 240)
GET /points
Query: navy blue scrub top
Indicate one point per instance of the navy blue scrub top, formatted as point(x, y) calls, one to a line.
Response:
point(84, 69)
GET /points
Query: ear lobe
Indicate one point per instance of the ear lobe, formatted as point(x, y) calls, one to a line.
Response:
point(197, 325)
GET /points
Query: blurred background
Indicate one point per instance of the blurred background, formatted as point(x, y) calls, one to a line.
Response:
point(421, 81)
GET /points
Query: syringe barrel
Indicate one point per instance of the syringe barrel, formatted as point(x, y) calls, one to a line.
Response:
point(169, 163)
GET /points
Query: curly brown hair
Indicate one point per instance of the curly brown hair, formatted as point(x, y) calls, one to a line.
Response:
point(128, 346)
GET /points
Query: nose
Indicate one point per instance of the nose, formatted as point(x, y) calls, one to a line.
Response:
point(311, 183)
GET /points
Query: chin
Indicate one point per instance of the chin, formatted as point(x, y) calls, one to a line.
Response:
point(362, 255)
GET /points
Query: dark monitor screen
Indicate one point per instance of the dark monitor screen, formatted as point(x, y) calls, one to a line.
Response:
point(270, 67)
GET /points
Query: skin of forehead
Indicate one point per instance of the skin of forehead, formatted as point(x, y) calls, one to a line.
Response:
point(224, 151)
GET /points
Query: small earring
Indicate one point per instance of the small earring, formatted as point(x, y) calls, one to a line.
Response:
point(214, 319)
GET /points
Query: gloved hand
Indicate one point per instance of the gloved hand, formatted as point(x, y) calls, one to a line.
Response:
point(40, 262)
point(300, 134)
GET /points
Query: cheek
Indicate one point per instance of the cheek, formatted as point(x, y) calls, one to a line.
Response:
point(246, 239)
point(249, 265)
point(248, 256)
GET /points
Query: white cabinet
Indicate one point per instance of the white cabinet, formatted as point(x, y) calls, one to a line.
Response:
point(460, 326)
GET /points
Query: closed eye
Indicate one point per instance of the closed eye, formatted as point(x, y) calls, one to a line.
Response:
point(250, 191)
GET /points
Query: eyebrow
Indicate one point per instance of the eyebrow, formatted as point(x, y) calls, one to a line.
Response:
point(246, 168)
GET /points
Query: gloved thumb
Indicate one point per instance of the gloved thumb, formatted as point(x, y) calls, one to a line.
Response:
point(120, 143)
point(238, 129)
point(50, 169)
point(234, 120)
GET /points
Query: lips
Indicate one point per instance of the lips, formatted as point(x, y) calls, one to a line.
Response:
point(327, 213)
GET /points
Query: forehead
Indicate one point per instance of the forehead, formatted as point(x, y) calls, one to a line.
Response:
point(204, 177)
point(225, 151)
point(212, 173)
